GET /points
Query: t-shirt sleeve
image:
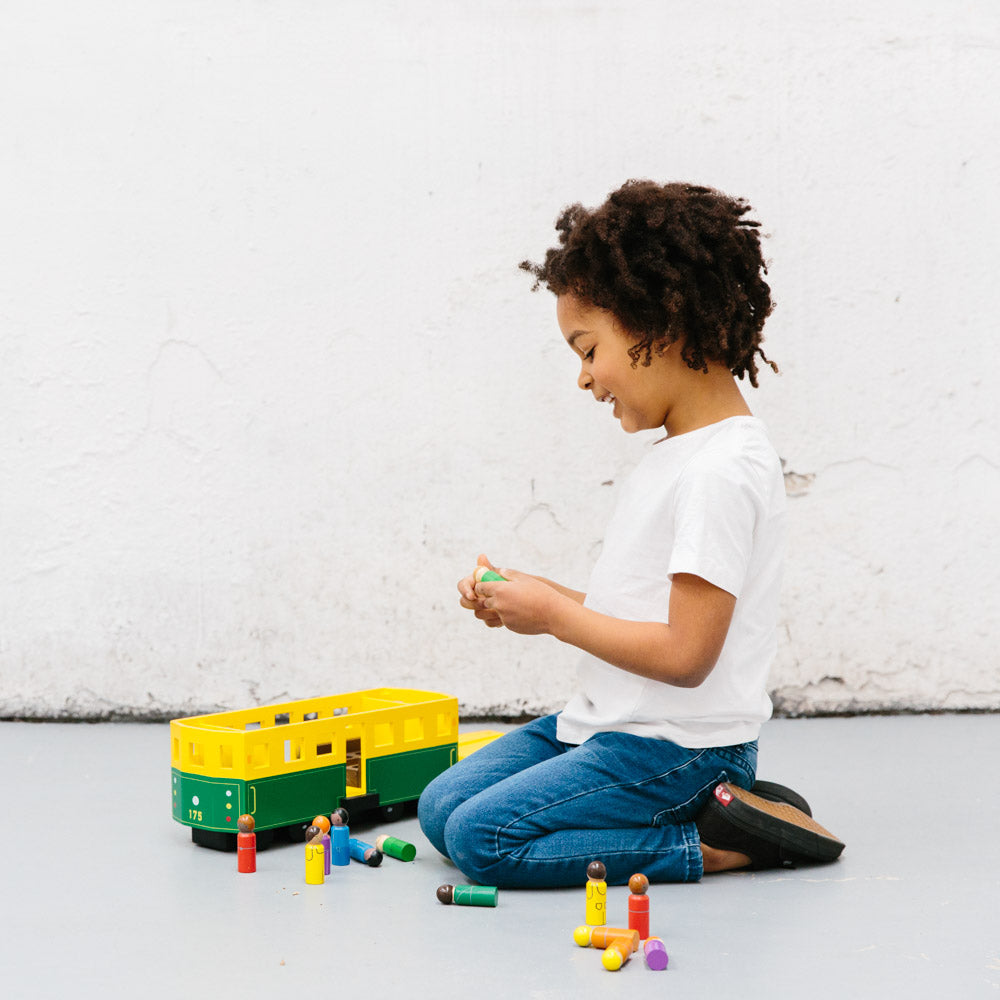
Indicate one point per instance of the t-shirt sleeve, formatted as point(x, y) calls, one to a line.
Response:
point(715, 512)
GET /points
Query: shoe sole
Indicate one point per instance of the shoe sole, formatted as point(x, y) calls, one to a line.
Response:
point(779, 793)
point(779, 822)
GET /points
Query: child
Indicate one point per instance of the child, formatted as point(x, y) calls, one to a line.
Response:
point(661, 296)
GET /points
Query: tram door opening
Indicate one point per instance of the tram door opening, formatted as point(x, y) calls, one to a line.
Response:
point(354, 765)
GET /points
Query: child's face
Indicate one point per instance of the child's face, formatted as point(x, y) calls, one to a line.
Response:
point(639, 394)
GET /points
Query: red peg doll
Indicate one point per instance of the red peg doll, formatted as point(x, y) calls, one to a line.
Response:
point(638, 905)
point(246, 845)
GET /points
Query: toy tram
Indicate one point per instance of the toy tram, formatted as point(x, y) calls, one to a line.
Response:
point(286, 763)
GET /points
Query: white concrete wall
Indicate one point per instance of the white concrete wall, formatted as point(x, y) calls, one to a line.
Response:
point(270, 378)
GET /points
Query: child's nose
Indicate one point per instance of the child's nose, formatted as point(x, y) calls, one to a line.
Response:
point(584, 381)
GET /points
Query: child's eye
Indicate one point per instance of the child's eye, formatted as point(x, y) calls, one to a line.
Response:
point(589, 356)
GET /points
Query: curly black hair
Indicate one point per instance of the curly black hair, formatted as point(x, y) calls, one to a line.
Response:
point(669, 261)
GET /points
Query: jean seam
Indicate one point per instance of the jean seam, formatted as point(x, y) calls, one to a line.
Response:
point(692, 851)
point(701, 793)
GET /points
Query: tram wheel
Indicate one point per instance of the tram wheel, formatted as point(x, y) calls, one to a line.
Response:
point(215, 840)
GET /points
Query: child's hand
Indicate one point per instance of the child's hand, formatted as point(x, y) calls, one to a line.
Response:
point(471, 600)
point(522, 603)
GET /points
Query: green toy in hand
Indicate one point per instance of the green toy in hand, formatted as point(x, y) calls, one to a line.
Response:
point(484, 574)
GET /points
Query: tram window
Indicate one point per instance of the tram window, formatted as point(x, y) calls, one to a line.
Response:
point(310, 716)
point(383, 734)
point(293, 750)
point(353, 748)
point(323, 748)
point(281, 719)
point(197, 753)
point(413, 730)
point(225, 756)
point(250, 726)
point(343, 710)
point(444, 724)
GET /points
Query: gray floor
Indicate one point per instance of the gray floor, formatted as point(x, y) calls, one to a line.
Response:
point(103, 894)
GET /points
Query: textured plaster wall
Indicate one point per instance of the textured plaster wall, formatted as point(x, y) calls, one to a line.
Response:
point(270, 378)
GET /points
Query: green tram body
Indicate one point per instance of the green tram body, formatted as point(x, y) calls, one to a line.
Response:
point(287, 763)
point(290, 800)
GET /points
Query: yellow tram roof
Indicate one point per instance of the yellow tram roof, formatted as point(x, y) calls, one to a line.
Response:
point(286, 736)
point(326, 707)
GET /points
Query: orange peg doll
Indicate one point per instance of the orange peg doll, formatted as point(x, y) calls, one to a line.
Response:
point(638, 905)
point(246, 844)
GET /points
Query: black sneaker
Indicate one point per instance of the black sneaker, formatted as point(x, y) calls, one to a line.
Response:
point(772, 834)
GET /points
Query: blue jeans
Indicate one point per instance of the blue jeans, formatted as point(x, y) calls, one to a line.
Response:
point(529, 811)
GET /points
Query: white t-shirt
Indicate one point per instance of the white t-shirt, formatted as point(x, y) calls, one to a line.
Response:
point(710, 502)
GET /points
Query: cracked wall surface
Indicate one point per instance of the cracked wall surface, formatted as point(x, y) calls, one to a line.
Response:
point(271, 379)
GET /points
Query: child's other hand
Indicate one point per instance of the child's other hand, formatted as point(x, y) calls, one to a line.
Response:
point(471, 600)
point(522, 603)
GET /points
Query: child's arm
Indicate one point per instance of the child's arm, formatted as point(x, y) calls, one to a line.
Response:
point(574, 595)
point(682, 653)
